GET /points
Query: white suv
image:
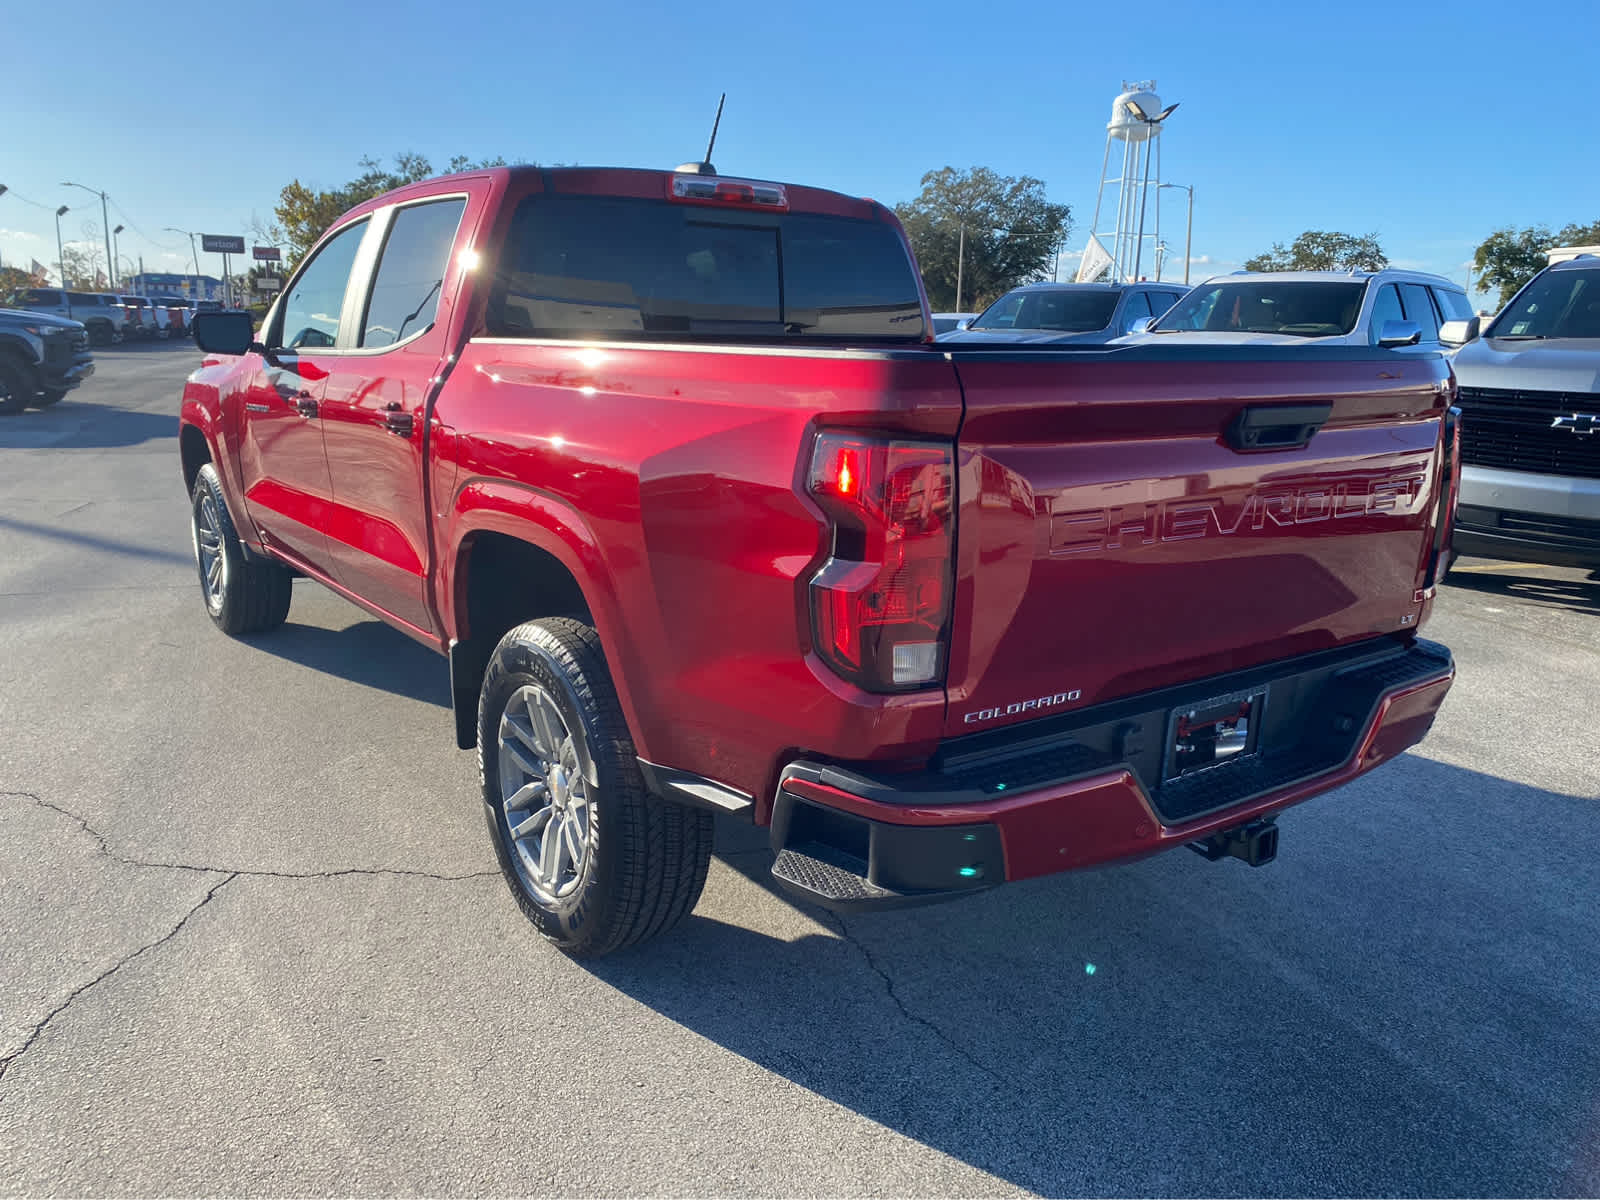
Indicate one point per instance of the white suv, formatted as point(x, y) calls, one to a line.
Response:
point(1390, 307)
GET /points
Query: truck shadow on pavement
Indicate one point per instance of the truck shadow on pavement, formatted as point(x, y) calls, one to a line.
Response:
point(369, 653)
point(1406, 1002)
point(72, 425)
point(1573, 595)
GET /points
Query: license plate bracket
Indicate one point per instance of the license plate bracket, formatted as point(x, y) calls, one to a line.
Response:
point(1213, 733)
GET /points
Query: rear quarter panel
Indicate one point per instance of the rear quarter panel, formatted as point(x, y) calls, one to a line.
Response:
point(667, 479)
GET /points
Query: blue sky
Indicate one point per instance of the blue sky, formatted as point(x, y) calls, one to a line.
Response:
point(1430, 124)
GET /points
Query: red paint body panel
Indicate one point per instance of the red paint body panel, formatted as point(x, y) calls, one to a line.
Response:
point(1108, 541)
point(1108, 818)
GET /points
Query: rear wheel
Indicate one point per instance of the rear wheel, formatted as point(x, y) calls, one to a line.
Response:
point(594, 860)
point(242, 594)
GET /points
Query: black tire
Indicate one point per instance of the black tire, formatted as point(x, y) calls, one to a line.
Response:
point(248, 594)
point(100, 333)
point(48, 397)
point(646, 858)
point(16, 385)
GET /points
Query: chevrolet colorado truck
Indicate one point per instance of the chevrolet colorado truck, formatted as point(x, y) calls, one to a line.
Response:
point(669, 467)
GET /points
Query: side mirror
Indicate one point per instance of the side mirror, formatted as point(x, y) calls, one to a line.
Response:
point(964, 322)
point(1142, 325)
point(1458, 333)
point(1399, 333)
point(226, 332)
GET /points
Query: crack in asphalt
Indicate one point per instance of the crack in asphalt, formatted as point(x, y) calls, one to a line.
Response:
point(915, 1018)
point(43, 1024)
point(104, 847)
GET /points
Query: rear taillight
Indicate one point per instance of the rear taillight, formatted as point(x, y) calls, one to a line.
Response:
point(738, 193)
point(1449, 493)
point(880, 605)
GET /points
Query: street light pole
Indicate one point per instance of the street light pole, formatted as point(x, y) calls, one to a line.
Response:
point(105, 218)
point(114, 253)
point(192, 254)
point(961, 255)
point(1188, 233)
point(61, 257)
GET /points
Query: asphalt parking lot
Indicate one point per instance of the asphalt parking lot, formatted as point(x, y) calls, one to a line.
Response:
point(255, 941)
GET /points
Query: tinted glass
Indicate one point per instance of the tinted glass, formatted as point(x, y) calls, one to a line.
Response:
point(84, 299)
point(1384, 309)
point(588, 266)
point(1161, 301)
point(1454, 305)
point(1419, 308)
point(1061, 311)
point(405, 291)
point(1557, 304)
point(310, 315)
point(41, 296)
point(1300, 308)
point(1138, 307)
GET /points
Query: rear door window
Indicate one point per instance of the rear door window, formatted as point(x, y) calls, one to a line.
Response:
point(405, 290)
point(609, 266)
point(1419, 308)
point(1454, 305)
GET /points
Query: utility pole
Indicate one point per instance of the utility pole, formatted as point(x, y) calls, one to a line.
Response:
point(114, 253)
point(961, 256)
point(105, 218)
point(193, 254)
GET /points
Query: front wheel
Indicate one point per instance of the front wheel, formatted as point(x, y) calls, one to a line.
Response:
point(242, 594)
point(594, 860)
point(16, 385)
point(48, 397)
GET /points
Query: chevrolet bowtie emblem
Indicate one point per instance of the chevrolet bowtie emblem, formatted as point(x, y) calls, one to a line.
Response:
point(1580, 423)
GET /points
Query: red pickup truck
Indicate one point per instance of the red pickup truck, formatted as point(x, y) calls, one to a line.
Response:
point(668, 466)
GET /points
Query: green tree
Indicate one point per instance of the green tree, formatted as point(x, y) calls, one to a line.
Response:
point(13, 282)
point(1011, 234)
point(1509, 257)
point(303, 213)
point(1320, 250)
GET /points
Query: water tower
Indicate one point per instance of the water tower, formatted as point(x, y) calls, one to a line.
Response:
point(1122, 249)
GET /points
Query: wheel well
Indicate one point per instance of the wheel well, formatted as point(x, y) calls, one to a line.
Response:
point(196, 454)
point(500, 583)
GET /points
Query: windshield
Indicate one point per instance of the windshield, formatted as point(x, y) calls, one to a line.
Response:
point(1558, 304)
point(1060, 311)
point(1302, 308)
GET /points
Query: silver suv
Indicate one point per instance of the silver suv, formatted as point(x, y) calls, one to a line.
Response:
point(1325, 308)
point(1530, 424)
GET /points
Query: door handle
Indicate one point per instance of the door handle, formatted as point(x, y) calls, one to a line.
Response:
point(1277, 427)
point(399, 423)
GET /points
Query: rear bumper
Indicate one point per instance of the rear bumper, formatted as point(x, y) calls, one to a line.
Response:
point(1089, 789)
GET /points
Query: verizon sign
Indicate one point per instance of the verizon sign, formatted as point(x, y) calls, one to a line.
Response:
point(265, 253)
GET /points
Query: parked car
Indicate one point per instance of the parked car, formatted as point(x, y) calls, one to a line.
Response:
point(42, 358)
point(1331, 308)
point(102, 315)
point(177, 309)
point(949, 322)
point(1062, 313)
point(1530, 428)
point(970, 622)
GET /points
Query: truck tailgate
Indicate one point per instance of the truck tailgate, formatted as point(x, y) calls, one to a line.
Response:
point(1113, 538)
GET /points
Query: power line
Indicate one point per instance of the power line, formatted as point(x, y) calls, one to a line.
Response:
point(25, 200)
point(131, 224)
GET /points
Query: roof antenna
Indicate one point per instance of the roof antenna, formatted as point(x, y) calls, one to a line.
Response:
point(705, 167)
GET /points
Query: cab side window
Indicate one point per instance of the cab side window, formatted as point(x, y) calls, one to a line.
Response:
point(405, 290)
point(1419, 308)
point(1384, 309)
point(1137, 308)
point(310, 316)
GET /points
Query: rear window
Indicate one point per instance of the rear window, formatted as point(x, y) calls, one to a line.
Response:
point(1057, 311)
point(609, 266)
point(1302, 308)
point(1557, 304)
